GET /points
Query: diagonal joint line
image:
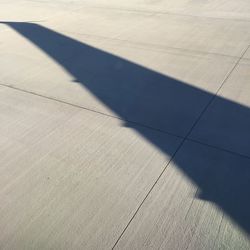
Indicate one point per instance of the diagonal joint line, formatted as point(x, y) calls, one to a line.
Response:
point(181, 144)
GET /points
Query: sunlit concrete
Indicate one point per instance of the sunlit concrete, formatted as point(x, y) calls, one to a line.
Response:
point(124, 124)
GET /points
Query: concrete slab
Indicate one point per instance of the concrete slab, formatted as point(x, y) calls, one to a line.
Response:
point(103, 23)
point(247, 54)
point(211, 35)
point(80, 85)
point(226, 37)
point(113, 77)
point(71, 179)
point(226, 123)
point(227, 9)
point(196, 204)
point(22, 11)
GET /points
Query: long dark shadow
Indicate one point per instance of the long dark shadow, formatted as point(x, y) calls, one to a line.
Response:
point(144, 96)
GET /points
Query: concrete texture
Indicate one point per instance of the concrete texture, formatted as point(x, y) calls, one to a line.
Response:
point(83, 171)
point(124, 124)
point(100, 71)
point(227, 126)
point(171, 219)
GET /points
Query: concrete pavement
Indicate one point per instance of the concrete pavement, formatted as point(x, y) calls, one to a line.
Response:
point(124, 124)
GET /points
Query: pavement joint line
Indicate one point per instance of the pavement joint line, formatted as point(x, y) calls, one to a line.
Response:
point(173, 155)
point(216, 93)
point(219, 148)
point(178, 148)
point(148, 193)
point(164, 170)
point(163, 13)
point(128, 121)
point(90, 110)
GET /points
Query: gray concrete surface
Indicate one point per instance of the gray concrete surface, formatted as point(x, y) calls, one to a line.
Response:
point(124, 124)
